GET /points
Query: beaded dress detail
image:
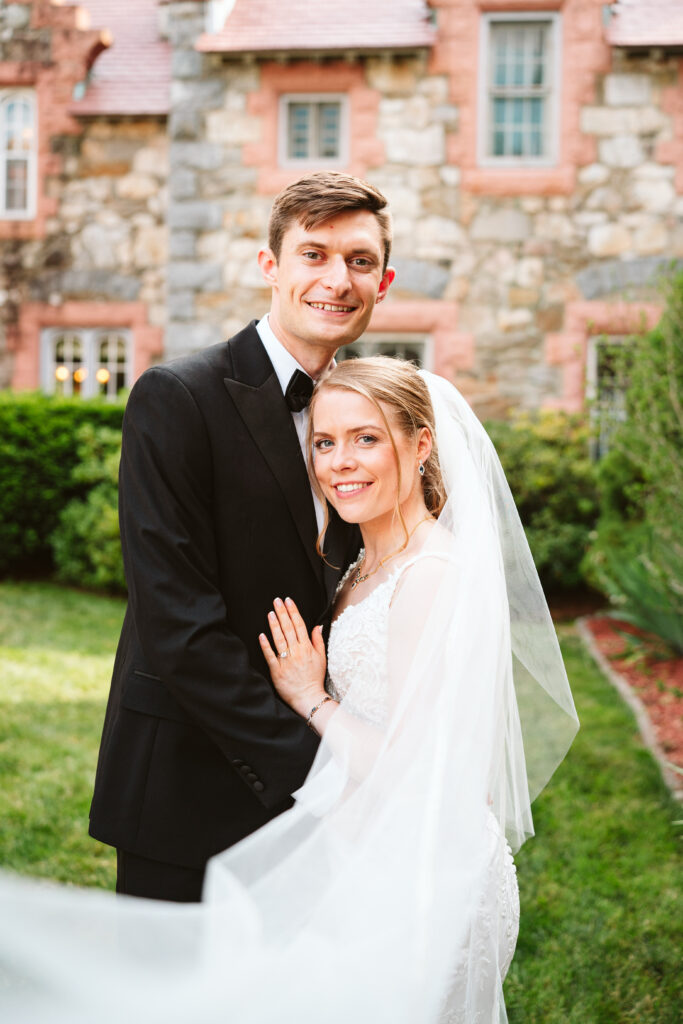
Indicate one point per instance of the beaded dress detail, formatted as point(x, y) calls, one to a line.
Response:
point(357, 674)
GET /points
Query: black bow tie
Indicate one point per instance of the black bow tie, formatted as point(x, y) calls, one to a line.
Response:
point(299, 391)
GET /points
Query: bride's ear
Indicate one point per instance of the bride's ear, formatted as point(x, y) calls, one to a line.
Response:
point(424, 444)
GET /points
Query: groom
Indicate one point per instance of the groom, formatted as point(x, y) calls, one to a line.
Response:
point(217, 519)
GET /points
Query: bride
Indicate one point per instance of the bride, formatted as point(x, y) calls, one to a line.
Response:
point(388, 892)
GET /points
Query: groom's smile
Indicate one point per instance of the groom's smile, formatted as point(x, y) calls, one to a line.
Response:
point(326, 282)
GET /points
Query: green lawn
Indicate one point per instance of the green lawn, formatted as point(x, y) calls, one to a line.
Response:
point(602, 928)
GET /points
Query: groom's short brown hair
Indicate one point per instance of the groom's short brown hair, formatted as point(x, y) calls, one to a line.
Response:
point(315, 198)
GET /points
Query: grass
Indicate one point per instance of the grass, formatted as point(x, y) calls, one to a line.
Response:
point(602, 918)
point(601, 925)
point(56, 652)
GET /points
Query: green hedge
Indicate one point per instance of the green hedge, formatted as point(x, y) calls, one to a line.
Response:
point(86, 541)
point(39, 449)
point(546, 459)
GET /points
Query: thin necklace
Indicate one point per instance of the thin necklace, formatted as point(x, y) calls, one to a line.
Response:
point(366, 576)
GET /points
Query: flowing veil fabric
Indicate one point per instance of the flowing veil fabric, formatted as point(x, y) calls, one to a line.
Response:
point(368, 900)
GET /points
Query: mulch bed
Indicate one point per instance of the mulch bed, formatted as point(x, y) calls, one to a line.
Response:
point(656, 678)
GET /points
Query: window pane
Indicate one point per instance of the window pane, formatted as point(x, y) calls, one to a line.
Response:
point(329, 116)
point(111, 373)
point(16, 185)
point(519, 53)
point(298, 134)
point(18, 126)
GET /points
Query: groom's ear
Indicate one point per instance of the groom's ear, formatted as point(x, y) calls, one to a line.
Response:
point(268, 265)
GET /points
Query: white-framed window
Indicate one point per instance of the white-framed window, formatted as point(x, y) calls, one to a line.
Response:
point(86, 361)
point(520, 75)
point(313, 129)
point(415, 347)
point(18, 139)
point(605, 392)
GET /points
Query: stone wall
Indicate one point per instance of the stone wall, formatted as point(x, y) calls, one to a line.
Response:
point(505, 271)
point(101, 232)
point(509, 266)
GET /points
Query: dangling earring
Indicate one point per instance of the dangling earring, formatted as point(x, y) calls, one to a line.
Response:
point(421, 470)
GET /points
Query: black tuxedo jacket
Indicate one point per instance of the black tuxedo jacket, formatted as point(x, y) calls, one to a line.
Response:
point(217, 520)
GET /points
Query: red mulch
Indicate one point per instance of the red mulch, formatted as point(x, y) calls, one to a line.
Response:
point(657, 681)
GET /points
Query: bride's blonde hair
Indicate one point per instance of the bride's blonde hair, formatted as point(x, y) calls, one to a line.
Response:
point(397, 384)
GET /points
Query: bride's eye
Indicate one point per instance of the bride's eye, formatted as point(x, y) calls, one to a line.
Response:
point(367, 439)
point(323, 445)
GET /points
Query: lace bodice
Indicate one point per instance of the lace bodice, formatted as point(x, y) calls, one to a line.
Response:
point(357, 650)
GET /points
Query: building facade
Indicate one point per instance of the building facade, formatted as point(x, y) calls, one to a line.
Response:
point(531, 150)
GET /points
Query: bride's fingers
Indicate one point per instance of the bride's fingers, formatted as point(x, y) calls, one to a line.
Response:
point(285, 623)
point(297, 622)
point(271, 658)
point(279, 638)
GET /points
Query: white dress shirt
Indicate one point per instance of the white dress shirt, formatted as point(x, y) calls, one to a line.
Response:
point(284, 365)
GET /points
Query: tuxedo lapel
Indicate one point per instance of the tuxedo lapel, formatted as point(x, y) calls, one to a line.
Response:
point(256, 392)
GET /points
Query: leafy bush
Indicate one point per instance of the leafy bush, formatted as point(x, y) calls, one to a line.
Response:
point(38, 451)
point(637, 552)
point(546, 459)
point(86, 542)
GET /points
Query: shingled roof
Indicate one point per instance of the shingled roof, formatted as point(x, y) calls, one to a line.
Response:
point(133, 75)
point(300, 27)
point(644, 23)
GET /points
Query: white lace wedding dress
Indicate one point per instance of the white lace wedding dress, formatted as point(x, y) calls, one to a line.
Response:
point(357, 674)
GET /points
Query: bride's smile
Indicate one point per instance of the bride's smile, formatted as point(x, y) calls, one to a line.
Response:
point(363, 460)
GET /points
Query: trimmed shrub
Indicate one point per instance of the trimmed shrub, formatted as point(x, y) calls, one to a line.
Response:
point(86, 543)
point(546, 459)
point(38, 452)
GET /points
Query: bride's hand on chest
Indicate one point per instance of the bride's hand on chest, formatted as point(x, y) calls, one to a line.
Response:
point(296, 661)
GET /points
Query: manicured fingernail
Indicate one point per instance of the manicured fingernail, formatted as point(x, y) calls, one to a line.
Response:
point(278, 600)
point(271, 615)
point(288, 600)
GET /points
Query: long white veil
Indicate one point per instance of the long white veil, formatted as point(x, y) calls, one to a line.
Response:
point(364, 902)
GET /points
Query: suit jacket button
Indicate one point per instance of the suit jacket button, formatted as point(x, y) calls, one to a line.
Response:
point(237, 762)
point(259, 787)
point(245, 769)
point(252, 777)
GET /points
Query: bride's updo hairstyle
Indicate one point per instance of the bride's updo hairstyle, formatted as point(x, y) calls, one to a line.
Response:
point(397, 384)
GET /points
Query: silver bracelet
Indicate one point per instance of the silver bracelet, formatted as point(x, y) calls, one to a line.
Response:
point(314, 709)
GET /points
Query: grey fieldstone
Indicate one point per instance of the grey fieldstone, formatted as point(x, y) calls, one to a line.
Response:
point(421, 276)
point(186, 64)
point(182, 245)
point(188, 274)
point(610, 276)
point(184, 122)
point(99, 284)
point(183, 338)
point(180, 305)
point(200, 93)
point(183, 183)
point(17, 15)
point(204, 156)
point(507, 225)
point(202, 215)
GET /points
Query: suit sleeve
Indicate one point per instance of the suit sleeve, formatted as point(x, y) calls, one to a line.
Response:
point(170, 559)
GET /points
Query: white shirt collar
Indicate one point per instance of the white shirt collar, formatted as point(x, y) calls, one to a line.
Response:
point(283, 361)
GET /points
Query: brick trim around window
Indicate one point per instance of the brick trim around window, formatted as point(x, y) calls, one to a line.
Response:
point(35, 316)
point(456, 54)
point(452, 350)
point(568, 349)
point(365, 149)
